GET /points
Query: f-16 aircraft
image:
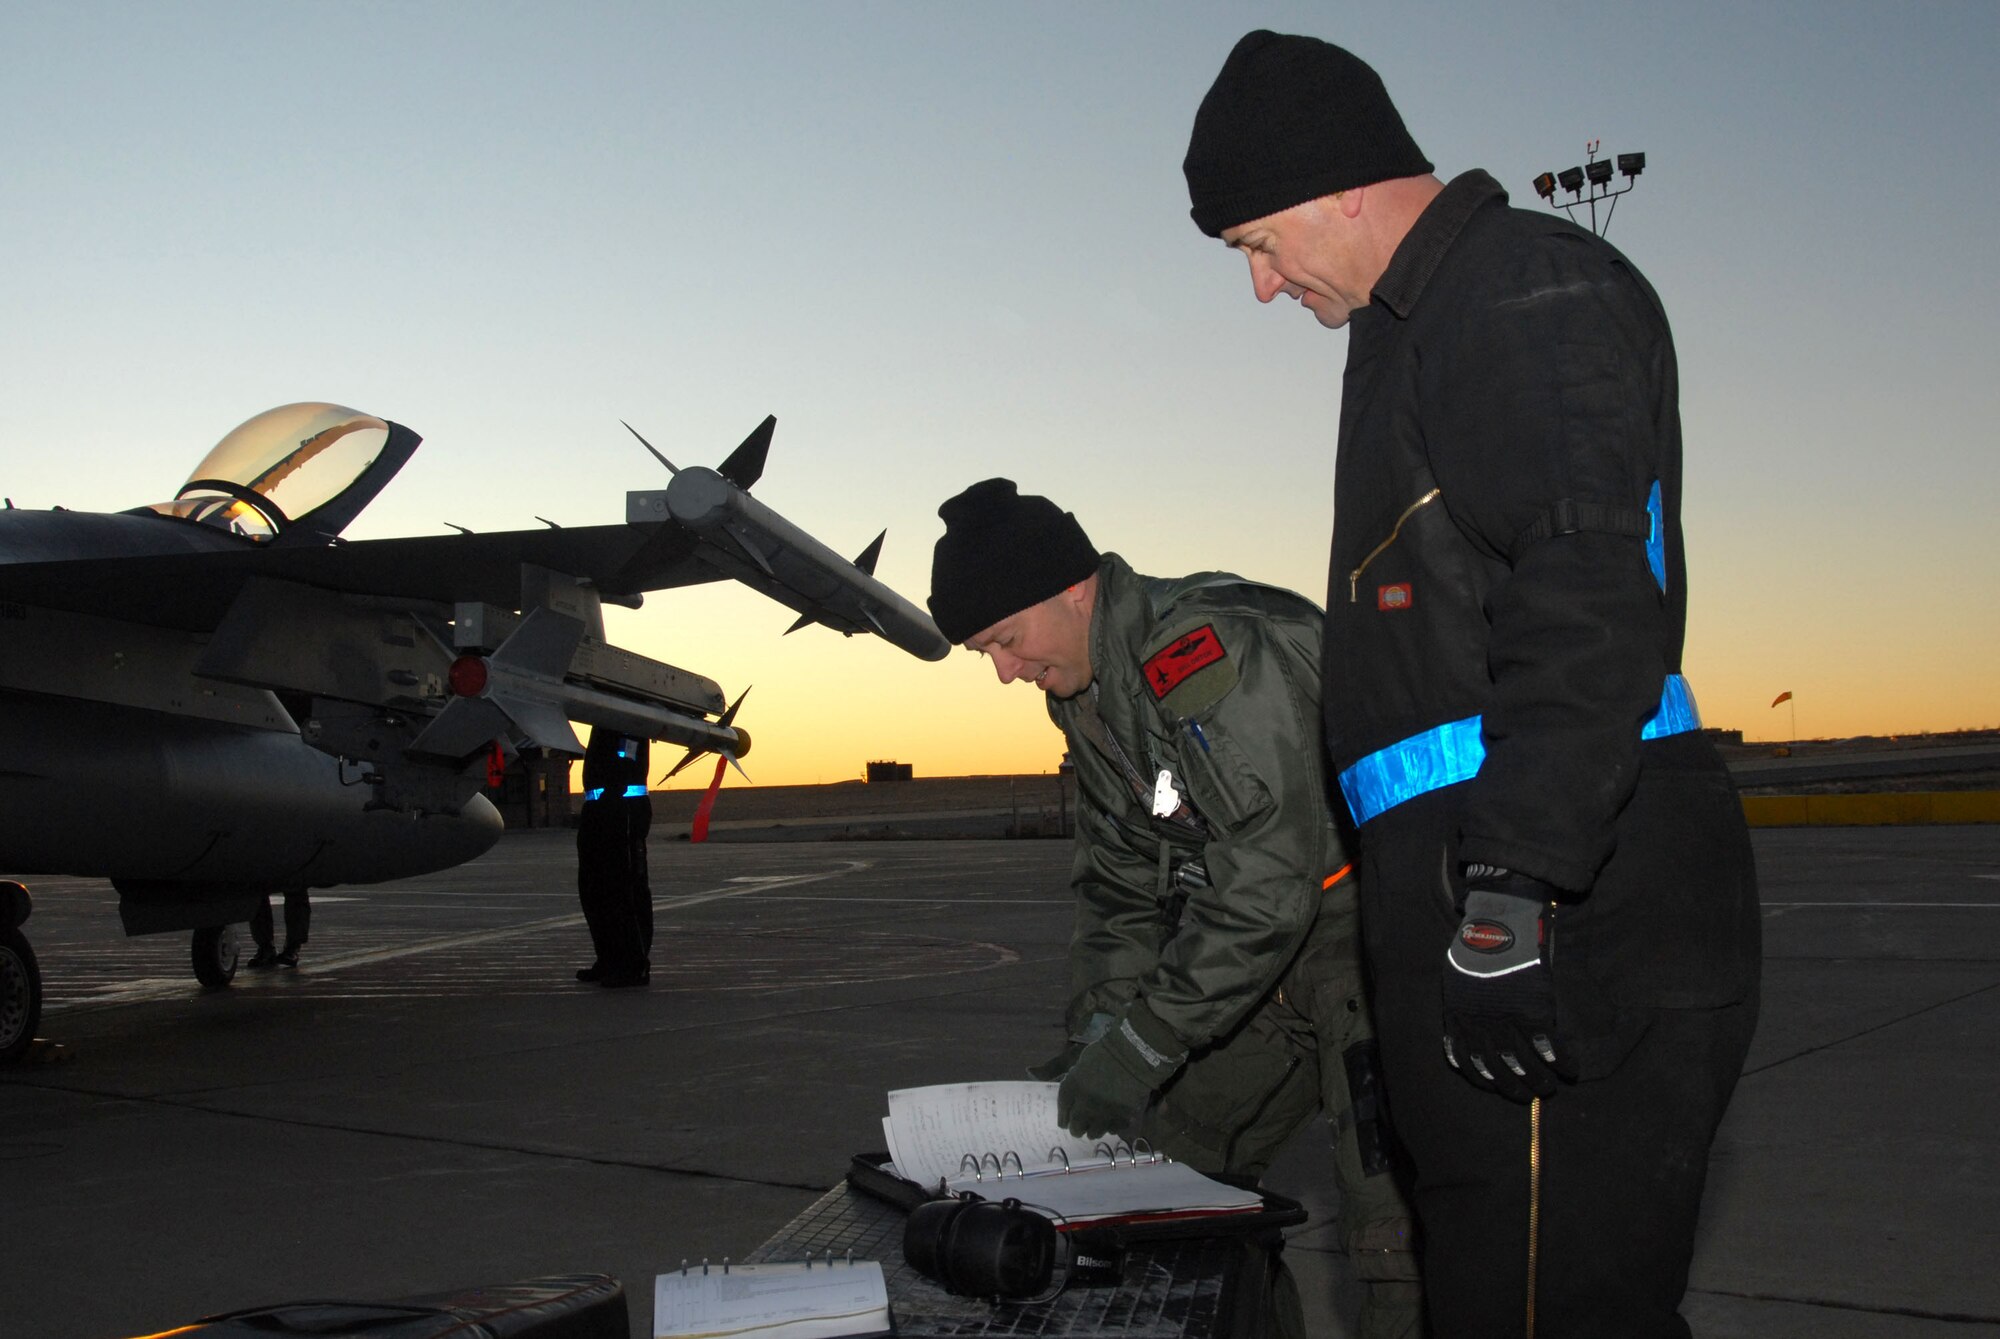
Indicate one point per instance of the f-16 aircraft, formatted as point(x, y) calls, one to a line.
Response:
point(215, 698)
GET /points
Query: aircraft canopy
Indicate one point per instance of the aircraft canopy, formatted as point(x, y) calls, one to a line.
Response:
point(278, 468)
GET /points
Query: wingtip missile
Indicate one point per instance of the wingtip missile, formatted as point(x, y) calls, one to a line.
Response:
point(757, 546)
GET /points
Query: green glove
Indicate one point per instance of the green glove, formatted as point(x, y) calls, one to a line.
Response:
point(1114, 1079)
point(1064, 1060)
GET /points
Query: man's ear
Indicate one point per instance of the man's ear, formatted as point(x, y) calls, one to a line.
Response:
point(1348, 202)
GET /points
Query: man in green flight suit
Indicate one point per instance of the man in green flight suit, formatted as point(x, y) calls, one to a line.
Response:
point(1216, 997)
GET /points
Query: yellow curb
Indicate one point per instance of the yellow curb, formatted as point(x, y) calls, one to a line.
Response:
point(1876, 810)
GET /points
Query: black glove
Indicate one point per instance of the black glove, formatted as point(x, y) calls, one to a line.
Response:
point(1111, 1084)
point(1501, 1025)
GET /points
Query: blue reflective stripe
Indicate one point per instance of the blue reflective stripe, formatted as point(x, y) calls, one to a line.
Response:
point(1676, 712)
point(596, 794)
point(1656, 539)
point(1450, 753)
point(637, 792)
point(1442, 756)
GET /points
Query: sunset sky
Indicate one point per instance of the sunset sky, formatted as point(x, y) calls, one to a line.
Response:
point(942, 242)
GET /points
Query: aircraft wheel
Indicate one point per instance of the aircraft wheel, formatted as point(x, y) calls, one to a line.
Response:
point(215, 956)
point(20, 995)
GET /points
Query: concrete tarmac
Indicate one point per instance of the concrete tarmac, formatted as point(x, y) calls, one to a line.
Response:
point(430, 1102)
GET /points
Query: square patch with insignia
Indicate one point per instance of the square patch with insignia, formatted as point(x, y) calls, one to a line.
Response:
point(1180, 658)
point(1393, 597)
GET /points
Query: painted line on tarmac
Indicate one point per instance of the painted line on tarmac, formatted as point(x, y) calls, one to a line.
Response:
point(1925, 906)
point(944, 897)
point(372, 956)
point(146, 989)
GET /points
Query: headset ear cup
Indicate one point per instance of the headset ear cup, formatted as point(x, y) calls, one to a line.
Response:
point(1000, 1250)
point(924, 1236)
point(979, 1248)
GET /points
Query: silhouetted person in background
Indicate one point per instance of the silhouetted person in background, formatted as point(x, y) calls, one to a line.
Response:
point(611, 878)
point(298, 915)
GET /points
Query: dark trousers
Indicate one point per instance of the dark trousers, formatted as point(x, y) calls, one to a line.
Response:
point(612, 882)
point(298, 917)
point(1624, 1153)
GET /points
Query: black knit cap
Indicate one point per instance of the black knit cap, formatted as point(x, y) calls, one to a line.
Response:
point(1288, 120)
point(1001, 553)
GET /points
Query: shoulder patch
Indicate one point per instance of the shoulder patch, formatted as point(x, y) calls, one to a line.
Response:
point(1177, 661)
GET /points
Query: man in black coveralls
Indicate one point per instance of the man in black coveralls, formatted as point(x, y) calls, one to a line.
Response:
point(1558, 899)
point(611, 859)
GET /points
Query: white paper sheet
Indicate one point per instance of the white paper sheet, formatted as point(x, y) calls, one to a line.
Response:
point(781, 1301)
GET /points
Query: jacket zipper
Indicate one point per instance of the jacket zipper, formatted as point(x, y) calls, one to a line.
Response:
point(1354, 577)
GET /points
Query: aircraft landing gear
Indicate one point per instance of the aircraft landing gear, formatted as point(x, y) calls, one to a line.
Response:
point(20, 995)
point(215, 955)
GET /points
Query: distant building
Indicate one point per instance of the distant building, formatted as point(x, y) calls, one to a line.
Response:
point(883, 770)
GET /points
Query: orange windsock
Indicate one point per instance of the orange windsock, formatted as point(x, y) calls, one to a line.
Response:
point(1785, 696)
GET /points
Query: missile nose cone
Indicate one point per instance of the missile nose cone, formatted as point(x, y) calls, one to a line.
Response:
point(742, 742)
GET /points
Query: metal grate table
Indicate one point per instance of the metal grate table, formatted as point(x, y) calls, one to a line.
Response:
point(1191, 1288)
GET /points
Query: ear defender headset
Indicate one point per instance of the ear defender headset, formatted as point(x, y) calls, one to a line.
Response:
point(987, 1248)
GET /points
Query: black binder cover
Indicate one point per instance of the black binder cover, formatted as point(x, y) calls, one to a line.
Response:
point(869, 1174)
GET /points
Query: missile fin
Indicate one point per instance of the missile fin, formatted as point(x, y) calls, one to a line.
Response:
point(544, 644)
point(544, 725)
point(649, 446)
point(866, 562)
point(745, 465)
point(466, 725)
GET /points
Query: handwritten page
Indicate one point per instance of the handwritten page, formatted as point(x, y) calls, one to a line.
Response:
point(932, 1130)
point(781, 1301)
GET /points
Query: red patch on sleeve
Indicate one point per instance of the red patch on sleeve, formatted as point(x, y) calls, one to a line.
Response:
point(1171, 667)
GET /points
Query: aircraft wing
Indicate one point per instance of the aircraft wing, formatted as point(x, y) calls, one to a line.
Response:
point(194, 590)
point(704, 527)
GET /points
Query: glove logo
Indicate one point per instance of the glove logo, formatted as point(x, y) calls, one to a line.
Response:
point(1486, 936)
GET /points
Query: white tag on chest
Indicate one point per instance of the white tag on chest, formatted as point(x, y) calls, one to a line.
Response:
point(1165, 798)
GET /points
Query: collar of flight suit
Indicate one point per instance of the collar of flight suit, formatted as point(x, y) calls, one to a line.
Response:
point(1423, 248)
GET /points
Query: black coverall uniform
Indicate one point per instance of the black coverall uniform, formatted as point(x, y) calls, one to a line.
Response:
point(1504, 627)
point(611, 880)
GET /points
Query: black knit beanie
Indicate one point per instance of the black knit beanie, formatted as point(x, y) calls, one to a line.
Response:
point(1288, 120)
point(1001, 553)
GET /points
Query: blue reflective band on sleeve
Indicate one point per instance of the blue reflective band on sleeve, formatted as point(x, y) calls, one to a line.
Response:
point(1450, 753)
point(637, 792)
point(1656, 540)
point(594, 794)
point(1676, 713)
point(1442, 756)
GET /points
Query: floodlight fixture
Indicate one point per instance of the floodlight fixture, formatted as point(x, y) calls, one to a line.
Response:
point(1597, 172)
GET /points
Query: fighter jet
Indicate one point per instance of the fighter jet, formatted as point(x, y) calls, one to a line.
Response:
point(215, 698)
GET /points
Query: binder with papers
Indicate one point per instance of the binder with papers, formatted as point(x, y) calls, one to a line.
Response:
point(1000, 1141)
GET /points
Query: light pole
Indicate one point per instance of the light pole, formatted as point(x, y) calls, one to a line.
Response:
point(1596, 175)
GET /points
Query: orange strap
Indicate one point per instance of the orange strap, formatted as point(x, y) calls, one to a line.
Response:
point(1337, 876)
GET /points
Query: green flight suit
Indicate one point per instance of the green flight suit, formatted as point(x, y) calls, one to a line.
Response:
point(1231, 915)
